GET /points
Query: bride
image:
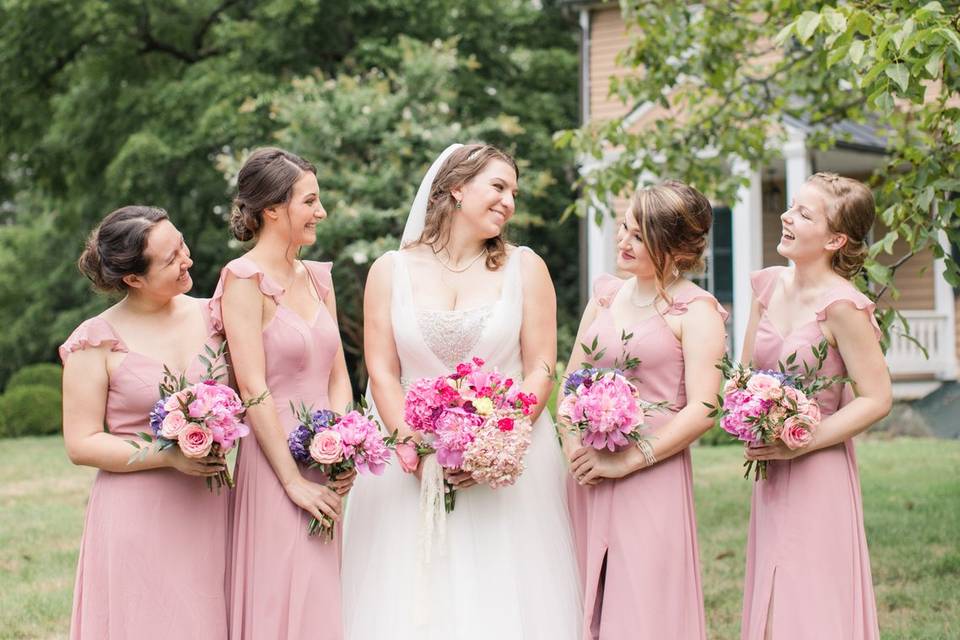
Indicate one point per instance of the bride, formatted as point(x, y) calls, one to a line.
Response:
point(502, 564)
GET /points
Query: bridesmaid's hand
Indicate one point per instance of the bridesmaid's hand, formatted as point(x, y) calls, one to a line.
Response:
point(314, 498)
point(205, 467)
point(774, 451)
point(589, 466)
point(343, 482)
point(459, 479)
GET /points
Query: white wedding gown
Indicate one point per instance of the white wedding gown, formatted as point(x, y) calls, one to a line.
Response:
point(506, 568)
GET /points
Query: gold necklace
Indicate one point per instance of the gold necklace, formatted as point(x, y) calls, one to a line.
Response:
point(446, 265)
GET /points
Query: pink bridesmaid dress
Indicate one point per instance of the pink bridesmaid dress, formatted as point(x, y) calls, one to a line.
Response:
point(637, 535)
point(153, 555)
point(806, 550)
point(283, 583)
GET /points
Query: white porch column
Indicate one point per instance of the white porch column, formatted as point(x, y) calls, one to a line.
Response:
point(797, 161)
point(601, 246)
point(747, 247)
point(944, 304)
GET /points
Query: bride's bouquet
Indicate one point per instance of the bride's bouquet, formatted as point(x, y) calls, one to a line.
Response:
point(475, 421)
point(761, 406)
point(202, 419)
point(338, 444)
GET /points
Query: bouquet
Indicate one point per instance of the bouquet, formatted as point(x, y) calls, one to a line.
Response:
point(203, 419)
point(337, 444)
point(602, 405)
point(761, 406)
point(475, 421)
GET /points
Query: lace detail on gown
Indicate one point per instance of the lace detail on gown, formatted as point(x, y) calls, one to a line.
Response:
point(453, 334)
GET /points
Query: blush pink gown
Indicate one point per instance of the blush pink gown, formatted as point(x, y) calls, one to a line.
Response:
point(806, 549)
point(153, 556)
point(637, 536)
point(283, 583)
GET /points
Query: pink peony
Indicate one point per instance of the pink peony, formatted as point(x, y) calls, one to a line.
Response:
point(326, 447)
point(797, 431)
point(407, 455)
point(195, 441)
point(173, 424)
point(761, 384)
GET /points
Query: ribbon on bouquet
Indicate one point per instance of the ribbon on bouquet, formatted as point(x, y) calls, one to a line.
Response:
point(433, 522)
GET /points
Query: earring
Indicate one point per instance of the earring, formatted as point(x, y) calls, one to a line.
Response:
point(458, 206)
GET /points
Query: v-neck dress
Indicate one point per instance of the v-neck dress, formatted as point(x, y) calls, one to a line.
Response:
point(637, 535)
point(806, 548)
point(153, 556)
point(283, 583)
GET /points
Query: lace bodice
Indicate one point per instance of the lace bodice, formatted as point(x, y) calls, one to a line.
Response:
point(452, 335)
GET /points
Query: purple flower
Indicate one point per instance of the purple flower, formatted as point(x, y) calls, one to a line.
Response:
point(323, 419)
point(577, 378)
point(157, 414)
point(299, 443)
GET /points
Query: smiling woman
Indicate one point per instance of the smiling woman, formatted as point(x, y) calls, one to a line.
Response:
point(112, 366)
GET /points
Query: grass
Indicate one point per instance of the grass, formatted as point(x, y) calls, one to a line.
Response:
point(911, 495)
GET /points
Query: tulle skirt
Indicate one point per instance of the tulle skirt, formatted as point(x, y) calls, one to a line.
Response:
point(505, 567)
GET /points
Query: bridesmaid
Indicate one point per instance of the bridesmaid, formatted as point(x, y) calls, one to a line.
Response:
point(808, 569)
point(153, 555)
point(633, 511)
point(279, 317)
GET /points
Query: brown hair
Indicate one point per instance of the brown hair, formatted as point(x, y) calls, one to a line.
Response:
point(265, 180)
point(674, 220)
point(852, 213)
point(462, 166)
point(115, 248)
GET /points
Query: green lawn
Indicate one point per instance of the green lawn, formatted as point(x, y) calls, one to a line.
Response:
point(911, 497)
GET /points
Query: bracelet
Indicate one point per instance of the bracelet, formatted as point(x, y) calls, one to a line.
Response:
point(647, 451)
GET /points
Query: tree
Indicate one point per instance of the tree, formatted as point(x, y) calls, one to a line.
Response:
point(726, 74)
point(114, 103)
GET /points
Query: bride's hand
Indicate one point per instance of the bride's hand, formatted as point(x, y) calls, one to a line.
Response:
point(458, 479)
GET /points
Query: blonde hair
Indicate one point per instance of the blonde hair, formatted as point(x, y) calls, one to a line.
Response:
point(852, 213)
point(674, 220)
point(461, 167)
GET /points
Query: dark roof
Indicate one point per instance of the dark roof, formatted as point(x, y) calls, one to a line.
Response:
point(850, 135)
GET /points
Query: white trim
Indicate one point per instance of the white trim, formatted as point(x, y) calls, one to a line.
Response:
point(945, 306)
point(797, 160)
point(585, 43)
point(747, 215)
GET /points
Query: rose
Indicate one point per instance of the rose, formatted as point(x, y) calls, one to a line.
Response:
point(176, 401)
point(761, 384)
point(326, 447)
point(407, 454)
point(505, 424)
point(195, 441)
point(173, 424)
point(797, 431)
point(776, 393)
point(812, 410)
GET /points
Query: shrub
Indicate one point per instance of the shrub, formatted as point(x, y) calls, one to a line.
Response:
point(44, 374)
point(30, 410)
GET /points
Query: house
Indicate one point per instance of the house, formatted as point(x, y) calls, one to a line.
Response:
point(746, 232)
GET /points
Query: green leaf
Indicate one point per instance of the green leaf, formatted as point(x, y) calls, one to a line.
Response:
point(836, 21)
point(856, 51)
point(878, 273)
point(933, 64)
point(898, 73)
point(951, 36)
point(784, 34)
point(807, 25)
point(902, 33)
point(836, 56)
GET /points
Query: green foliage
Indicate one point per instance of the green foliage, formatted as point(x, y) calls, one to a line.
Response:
point(115, 103)
point(43, 374)
point(730, 72)
point(716, 437)
point(29, 410)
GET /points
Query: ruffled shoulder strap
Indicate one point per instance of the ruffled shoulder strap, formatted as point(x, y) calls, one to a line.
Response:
point(690, 293)
point(764, 282)
point(90, 334)
point(244, 268)
point(846, 292)
point(605, 288)
point(321, 274)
